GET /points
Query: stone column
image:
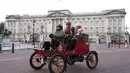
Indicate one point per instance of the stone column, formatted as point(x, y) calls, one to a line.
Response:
point(55, 24)
point(112, 24)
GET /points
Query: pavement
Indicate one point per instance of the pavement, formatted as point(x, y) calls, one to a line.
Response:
point(111, 60)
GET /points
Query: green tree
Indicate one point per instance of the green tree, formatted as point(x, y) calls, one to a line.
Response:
point(1, 27)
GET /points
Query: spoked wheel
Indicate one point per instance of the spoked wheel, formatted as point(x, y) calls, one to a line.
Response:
point(92, 60)
point(36, 62)
point(57, 64)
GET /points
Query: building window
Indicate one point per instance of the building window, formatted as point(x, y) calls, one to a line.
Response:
point(102, 22)
point(44, 20)
point(73, 18)
point(102, 29)
point(14, 24)
point(91, 28)
point(97, 29)
point(26, 20)
point(114, 29)
point(110, 22)
point(78, 18)
point(24, 30)
point(120, 28)
point(97, 22)
point(24, 24)
point(37, 30)
point(91, 22)
point(85, 28)
point(88, 18)
point(86, 22)
point(8, 24)
point(31, 20)
point(114, 22)
point(22, 20)
point(100, 18)
point(94, 18)
point(83, 19)
point(81, 22)
point(120, 22)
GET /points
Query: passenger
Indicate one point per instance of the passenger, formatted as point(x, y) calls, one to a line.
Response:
point(79, 34)
point(69, 29)
point(69, 32)
point(79, 31)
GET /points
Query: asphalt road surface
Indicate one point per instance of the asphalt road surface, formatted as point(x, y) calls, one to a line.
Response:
point(114, 60)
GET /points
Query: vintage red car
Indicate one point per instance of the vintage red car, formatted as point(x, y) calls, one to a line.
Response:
point(60, 55)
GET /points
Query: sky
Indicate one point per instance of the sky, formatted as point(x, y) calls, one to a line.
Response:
point(40, 7)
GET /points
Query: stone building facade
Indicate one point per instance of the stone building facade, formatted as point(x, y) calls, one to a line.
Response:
point(99, 25)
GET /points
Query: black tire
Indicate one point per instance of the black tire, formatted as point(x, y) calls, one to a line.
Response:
point(88, 59)
point(32, 65)
point(64, 61)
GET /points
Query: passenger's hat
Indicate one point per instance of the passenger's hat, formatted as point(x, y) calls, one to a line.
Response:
point(68, 23)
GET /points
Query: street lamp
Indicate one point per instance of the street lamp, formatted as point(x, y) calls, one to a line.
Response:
point(42, 32)
point(97, 37)
point(109, 37)
point(126, 33)
point(109, 34)
point(33, 32)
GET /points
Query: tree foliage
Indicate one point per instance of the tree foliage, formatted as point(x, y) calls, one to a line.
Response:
point(1, 27)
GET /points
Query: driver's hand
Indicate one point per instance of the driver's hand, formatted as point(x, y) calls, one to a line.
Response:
point(51, 35)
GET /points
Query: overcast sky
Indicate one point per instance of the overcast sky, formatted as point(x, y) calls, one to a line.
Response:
point(40, 7)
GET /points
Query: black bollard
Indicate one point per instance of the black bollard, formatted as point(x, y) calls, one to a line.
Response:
point(0, 48)
point(109, 45)
point(12, 47)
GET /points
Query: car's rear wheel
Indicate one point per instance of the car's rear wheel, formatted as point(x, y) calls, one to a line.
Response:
point(92, 60)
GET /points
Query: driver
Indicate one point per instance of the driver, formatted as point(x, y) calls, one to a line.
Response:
point(59, 34)
point(57, 37)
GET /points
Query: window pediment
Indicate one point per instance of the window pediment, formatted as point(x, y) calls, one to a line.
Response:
point(57, 14)
point(12, 17)
point(115, 12)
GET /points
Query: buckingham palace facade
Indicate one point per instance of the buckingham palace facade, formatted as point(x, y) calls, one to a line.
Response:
point(99, 25)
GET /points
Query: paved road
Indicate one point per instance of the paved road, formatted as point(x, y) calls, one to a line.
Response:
point(112, 60)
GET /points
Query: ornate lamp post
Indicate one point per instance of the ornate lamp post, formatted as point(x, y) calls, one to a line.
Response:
point(109, 34)
point(126, 34)
point(28, 32)
point(42, 32)
point(97, 37)
point(109, 37)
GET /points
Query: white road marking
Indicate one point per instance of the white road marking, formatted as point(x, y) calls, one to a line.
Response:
point(10, 59)
point(113, 50)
